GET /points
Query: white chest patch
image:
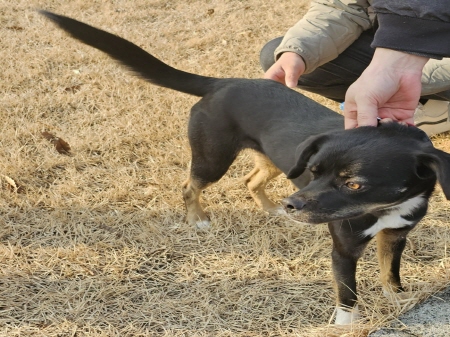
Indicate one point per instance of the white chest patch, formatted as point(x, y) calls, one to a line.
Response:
point(394, 219)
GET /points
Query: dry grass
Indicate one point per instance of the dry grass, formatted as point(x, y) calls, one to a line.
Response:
point(94, 244)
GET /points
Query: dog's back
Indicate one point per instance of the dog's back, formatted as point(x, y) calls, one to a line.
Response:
point(260, 114)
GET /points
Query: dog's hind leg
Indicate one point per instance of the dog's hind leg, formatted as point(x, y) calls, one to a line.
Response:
point(257, 179)
point(213, 151)
point(390, 246)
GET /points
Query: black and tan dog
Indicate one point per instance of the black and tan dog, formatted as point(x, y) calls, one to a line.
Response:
point(364, 182)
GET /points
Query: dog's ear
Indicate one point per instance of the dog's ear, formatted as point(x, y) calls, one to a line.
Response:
point(304, 152)
point(439, 162)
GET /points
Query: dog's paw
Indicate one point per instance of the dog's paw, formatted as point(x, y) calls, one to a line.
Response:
point(345, 316)
point(395, 297)
point(203, 225)
point(276, 211)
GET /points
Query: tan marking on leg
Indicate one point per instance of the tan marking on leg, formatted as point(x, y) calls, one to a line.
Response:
point(195, 216)
point(386, 241)
point(257, 179)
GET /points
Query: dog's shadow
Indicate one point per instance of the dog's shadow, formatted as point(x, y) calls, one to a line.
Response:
point(149, 271)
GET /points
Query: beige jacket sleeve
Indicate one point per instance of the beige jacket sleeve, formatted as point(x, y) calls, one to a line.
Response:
point(326, 30)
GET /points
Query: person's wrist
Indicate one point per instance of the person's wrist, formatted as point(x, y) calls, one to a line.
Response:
point(292, 56)
point(398, 60)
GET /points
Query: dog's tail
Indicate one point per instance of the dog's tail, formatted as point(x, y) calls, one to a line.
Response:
point(138, 60)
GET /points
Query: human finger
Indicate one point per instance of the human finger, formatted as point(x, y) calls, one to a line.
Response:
point(367, 111)
point(292, 74)
point(276, 73)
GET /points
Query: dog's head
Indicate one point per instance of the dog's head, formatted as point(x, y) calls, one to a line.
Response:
point(365, 170)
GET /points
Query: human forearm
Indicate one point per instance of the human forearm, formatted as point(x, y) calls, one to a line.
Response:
point(325, 31)
point(388, 88)
point(422, 27)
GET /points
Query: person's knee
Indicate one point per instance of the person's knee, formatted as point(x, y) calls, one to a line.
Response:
point(436, 77)
point(266, 56)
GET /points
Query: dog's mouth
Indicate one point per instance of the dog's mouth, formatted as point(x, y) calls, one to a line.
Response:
point(320, 217)
point(311, 211)
point(314, 214)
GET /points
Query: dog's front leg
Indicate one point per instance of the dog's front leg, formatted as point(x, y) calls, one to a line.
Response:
point(390, 246)
point(348, 247)
point(256, 182)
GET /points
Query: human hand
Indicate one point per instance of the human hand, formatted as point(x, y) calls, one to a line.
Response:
point(287, 69)
point(388, 88)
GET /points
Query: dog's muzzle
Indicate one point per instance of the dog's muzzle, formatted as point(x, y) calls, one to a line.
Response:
point(293, 204)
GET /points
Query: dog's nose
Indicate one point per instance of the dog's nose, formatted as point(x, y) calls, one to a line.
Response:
point(293, 203)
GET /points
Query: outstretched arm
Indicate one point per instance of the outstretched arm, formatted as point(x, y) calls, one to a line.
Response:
point(326, 30)
point(388, 88)
point(406, 38)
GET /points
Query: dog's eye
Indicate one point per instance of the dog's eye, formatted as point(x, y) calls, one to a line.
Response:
point(353, 186)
